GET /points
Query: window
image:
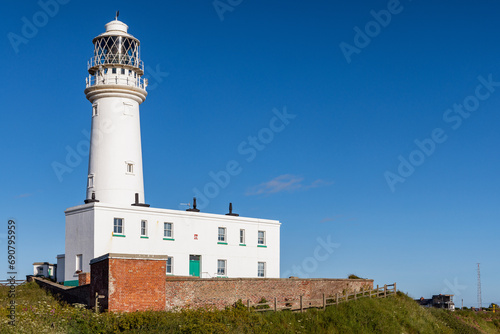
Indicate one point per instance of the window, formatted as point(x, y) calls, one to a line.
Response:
point(90, 182)
point(79, 262)
point(94, 109)
point(105, 71)
point(144, 228)
point(168, 230)
point(118, 226)
point(130, 168)
point(261, 271)
point(128, 108)
point(222, 234)
point(113, 70)
point(242, 237)
point(129, 73)
point(122, 71)
point(221, 267)
point(261, 238)
point(170, 265)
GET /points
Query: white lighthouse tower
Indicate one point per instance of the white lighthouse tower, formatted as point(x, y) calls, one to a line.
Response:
point(115, 88)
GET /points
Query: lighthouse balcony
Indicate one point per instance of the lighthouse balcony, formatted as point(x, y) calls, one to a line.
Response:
point(116, 80)
point(126, 61)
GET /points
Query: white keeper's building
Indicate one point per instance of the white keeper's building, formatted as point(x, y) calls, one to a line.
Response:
point(115, 218)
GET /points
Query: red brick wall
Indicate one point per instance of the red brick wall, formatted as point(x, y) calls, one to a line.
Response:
point(83, 278)
point(223, 292)
point(129, 284)
point(136, 285)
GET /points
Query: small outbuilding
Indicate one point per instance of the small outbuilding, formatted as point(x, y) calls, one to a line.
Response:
point(45, 269)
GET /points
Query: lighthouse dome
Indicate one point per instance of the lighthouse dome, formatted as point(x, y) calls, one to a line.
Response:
point(116, 25)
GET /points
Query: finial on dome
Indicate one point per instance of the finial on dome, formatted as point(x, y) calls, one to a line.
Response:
point(117, 14)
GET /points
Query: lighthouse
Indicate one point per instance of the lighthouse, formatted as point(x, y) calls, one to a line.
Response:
point(115, 88)
point(114, 219)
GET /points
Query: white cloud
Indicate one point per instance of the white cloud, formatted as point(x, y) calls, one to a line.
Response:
point(285, 182)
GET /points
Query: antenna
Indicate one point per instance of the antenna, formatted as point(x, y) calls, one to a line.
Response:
point(479, 301)
point(117, 14)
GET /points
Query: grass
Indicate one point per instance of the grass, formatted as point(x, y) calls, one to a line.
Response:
point(39, 312)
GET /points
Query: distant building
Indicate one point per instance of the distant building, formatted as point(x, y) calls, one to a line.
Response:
point(44, 269)
point(438, 301)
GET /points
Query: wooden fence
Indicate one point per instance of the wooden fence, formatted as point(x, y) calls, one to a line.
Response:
point(301, 304)
point(5, 282)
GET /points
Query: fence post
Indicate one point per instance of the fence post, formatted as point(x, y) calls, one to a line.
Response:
point(301, 309)
point(336, 298)
point(275, 303)
point(248, 304)
point(395, 288)
point(385, 290)
point(377, 291)
point(96, 302)
point(355, 294)
point(324, 302)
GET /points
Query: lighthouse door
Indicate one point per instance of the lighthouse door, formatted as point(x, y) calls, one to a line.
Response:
point(194, 265)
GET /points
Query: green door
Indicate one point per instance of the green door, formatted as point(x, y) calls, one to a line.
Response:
point(194, 265)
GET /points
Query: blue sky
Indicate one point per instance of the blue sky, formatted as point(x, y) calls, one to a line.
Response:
point(218, 76)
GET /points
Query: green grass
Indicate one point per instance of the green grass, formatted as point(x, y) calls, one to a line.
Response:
point(39, 312)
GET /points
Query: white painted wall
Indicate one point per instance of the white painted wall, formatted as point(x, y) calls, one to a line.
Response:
point(116, 141)
point(60, 268)
point(241, 260)
point(79, 239)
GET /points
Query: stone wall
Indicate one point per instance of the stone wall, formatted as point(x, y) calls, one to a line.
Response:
point(223, 292)
point(71, 295)
point(139, 282)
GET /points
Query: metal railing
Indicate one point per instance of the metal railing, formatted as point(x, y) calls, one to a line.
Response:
point(115, 60)
point(116, 80)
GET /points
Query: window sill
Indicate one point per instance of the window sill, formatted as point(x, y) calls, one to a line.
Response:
point(169, 239)
point(242, 244)
point(221, 243)
point(263, 246)
point(144, 237)
point(119, 235)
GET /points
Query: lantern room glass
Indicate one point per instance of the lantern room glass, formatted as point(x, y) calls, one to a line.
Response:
point(116, 50)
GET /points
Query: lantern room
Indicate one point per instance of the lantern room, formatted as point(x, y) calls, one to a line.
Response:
point(116, 58)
